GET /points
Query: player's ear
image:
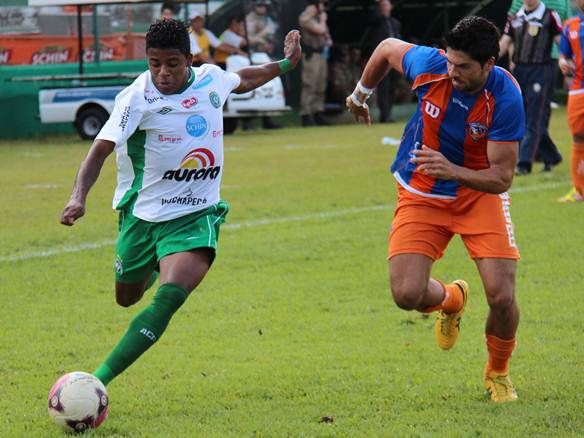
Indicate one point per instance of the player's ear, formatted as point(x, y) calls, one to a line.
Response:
point(189, 59)
point(490, 63)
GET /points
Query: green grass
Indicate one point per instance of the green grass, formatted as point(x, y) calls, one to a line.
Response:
point(294, 323)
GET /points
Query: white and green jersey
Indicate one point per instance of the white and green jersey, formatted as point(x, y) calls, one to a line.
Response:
point(169, 148)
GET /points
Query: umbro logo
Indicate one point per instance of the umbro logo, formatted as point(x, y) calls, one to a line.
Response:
point(165, 110)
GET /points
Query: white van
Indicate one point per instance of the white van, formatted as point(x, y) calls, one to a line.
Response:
point(89, 107)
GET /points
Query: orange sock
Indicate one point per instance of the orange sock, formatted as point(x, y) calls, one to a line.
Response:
point(452, 301)
point(577, 167)
point(499, 353)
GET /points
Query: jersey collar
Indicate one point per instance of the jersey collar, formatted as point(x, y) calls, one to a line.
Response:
point(189, 81)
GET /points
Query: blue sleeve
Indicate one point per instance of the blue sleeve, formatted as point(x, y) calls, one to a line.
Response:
point(509, 117)
point(422, 59)
point(565, 46)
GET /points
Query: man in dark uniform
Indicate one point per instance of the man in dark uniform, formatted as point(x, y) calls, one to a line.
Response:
point(381, 26)
point(533, 30)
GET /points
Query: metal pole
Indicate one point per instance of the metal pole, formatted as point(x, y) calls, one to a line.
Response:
point(96, 35)
point(247, 48)
point(80, 39)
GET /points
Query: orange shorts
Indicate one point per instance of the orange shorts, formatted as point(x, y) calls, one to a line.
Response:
point(424, 225)
point(576, 113)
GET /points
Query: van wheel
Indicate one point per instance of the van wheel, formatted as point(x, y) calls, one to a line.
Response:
point(90, 121)
point(229, 125)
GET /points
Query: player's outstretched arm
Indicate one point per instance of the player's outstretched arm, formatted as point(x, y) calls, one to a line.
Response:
point(256, 76)
point(86, 177)
point(387, 55)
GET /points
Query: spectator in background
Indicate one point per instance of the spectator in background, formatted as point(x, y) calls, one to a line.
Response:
point(262, 32)
point(341, 79)
point(532, 30)
point(381, 26)
point(562, 7)
point(203, 39)
point(572, 64)
point(356, 63)
point(261, 28)
point(316, 39)
point(166, 12)
point(233, 36)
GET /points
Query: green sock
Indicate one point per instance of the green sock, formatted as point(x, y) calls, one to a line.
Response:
point(144, 330)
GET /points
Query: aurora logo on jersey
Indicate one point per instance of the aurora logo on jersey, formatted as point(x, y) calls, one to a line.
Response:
point(197, 126)
point(198, 164)
point(477, 131)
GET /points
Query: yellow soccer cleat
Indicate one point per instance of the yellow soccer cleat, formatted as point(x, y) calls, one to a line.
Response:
point(571, 196)
point(447, 325)
point(500, 387)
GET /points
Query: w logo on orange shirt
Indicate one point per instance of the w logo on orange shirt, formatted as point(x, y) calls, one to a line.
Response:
point(432, 110)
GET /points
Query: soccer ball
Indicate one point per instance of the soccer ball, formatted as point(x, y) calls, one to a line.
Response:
point(78, 401)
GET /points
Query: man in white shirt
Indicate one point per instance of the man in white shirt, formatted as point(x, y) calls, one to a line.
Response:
point(167, 131)
point(202, 40)
point(233, 36)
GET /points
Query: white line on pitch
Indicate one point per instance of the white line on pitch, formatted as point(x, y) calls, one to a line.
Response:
point(247, 224)
point(250, 224)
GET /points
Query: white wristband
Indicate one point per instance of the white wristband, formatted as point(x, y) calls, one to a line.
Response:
point(363, 89)
point(356, 101)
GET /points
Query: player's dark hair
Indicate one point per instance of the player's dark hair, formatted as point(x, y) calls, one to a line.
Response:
point(168, 34)
point(235, 19)
point(475, 36)
point(166, 6)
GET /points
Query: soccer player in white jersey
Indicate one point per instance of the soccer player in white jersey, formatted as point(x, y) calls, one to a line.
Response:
point(166, 130)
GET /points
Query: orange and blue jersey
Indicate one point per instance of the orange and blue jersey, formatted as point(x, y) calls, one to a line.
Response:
point(456, 123)
point(571, 46)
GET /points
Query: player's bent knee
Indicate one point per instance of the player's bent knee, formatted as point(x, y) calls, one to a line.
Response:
point(125, 300)
point(127, 295)
point(578, 139)
point(407, 297)
point(501, 300)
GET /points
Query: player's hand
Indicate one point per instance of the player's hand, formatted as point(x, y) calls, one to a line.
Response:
point(567, 66)
point(72, 211)
point(292, 49)
point(359, 112)
point(432, 163)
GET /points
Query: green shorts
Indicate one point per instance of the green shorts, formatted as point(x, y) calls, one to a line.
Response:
point(142, 244)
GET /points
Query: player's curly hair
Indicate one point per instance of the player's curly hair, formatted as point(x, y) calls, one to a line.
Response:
point(168, 34)
point(475, 36)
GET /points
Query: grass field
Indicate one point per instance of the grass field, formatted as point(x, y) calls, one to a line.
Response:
point(293, 332)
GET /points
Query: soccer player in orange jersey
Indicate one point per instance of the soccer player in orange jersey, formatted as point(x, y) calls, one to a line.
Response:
point(453, 168)
point(572, 64)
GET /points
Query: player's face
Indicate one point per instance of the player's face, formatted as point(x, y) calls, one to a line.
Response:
point(467, 74)
point(385, 8)
point(198, 24)
point(167, 14)
point(530, 5)
point(169, 69)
